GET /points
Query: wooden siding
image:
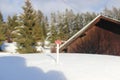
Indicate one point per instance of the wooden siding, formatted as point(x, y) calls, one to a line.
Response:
point(103, 38)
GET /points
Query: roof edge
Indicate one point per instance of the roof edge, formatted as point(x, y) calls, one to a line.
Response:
point(78, 33)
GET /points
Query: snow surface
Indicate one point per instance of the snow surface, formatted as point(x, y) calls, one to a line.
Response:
point(71, 67)
point(9, 47)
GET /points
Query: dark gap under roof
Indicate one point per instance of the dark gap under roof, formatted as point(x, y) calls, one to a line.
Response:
point(108, 25)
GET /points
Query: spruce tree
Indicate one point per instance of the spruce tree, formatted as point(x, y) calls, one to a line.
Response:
point(42, 23)
point(44, 28)
point(1, 17)
point(2, 31)
point(78, 23)
point(53, 32)
point(29, 31)
point(2, 36)
point(66, 25)
point(112, 13)
point(12, 23)
point(60, 24)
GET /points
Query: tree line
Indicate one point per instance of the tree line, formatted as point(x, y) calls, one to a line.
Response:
point(32, 26)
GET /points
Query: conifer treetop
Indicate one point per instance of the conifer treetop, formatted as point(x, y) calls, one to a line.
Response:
point(27, 0)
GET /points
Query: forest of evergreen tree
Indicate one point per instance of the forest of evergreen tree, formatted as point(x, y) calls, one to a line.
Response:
point(32, 26)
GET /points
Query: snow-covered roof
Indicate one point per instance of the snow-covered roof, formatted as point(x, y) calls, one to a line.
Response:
point(88, 26)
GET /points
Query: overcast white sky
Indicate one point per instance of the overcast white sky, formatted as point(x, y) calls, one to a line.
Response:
point(10, 7)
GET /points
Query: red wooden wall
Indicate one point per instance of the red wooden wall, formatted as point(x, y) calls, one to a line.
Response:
point(103, 38)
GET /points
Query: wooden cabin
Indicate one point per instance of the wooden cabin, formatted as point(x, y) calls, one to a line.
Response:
point(100, 36)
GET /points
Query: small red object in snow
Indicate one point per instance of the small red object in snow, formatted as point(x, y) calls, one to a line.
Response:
point(58, 41)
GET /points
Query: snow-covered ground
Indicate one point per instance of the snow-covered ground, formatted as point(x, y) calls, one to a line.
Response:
point(71, 67)
point(11, 47)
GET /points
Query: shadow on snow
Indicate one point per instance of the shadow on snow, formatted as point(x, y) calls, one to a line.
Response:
point(14, 68)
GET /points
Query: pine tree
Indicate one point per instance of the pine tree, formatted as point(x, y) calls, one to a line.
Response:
point(44, 28)
point(37, 28)
point(1, 17)
point(61, 25)
point(2, 35)
point(67, 25)
point(11, 25)
point(112, 13)
point(42, 23)
point(78, 23)
point(107, 12)
point(53, 34)
point(27, 38)
point(64, 25)
point(88, 17)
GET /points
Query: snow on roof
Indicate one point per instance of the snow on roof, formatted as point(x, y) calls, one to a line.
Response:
point(93, 22)
point(71, 67)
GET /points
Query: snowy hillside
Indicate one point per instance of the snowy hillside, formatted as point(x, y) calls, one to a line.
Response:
point(71, 67)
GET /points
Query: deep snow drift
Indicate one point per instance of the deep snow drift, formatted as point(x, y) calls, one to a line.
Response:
point(71, 67)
